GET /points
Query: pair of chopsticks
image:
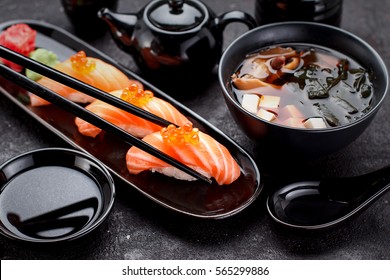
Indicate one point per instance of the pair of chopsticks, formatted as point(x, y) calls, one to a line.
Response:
point(80, 111)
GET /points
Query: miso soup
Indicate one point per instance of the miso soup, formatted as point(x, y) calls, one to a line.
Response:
point(303, 86)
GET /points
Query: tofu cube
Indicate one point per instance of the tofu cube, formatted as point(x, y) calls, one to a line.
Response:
point(291, 111)
point(250, 102)
point(315, 123)
point(266, 115)
point(269, 101)
point(293, 122)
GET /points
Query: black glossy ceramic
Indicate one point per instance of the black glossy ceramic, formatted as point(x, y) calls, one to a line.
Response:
point(173, 40)
point(193, 198)
point(52, 195)
point(314, 205)
point(311, 142)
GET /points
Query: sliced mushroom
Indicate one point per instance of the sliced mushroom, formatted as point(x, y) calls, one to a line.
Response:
point(293, 64)
point(277, 51)
point(249, 82)
point(260, 69)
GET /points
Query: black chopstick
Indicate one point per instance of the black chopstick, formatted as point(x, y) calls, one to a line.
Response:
point(79, 85)
point(94, 119)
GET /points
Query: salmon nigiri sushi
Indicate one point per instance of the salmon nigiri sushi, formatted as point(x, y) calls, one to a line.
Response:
point(190, 146)
point(136, 95)
point(92, 71)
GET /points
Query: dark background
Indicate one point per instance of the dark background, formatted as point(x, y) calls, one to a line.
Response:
point(139, 229)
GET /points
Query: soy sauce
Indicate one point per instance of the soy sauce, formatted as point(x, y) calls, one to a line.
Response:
point(37, 205)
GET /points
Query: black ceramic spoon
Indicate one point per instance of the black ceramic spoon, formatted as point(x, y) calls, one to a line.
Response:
point(327, 203)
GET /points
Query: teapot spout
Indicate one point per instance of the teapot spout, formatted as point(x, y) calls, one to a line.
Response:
point(121, 26)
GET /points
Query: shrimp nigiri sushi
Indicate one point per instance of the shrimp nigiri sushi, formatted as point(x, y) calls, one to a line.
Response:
point(190, 146)
point(136, 95)
point(89, 70)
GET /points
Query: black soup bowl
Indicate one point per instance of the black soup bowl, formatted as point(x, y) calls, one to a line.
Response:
point(310, 142)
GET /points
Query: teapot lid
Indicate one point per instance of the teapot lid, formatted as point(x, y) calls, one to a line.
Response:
point(176, 15)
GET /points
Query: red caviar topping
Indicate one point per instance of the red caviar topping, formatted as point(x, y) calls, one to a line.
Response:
point(136, 96)
point(81, 63)
point(185, 134)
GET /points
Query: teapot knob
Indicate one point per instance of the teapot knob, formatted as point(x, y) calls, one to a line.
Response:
point(176, 6)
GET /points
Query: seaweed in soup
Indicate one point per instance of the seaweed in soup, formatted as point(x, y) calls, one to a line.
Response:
point(328, 84)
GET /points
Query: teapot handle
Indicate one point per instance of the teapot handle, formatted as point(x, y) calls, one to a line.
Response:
point(235, 16)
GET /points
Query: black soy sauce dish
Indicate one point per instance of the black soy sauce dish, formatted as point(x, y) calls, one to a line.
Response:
point(53, 195)
point(315, 205)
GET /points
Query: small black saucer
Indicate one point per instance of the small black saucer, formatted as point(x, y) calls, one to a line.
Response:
point(52, 195)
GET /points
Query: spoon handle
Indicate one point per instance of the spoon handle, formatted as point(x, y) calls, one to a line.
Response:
point(359, 188)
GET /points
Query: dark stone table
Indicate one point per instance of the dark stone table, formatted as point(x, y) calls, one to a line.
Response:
point(140, 229)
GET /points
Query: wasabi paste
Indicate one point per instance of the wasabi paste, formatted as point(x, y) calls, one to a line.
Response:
point(43, 56)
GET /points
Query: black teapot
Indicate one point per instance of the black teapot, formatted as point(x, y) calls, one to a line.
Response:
point(173, 39)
